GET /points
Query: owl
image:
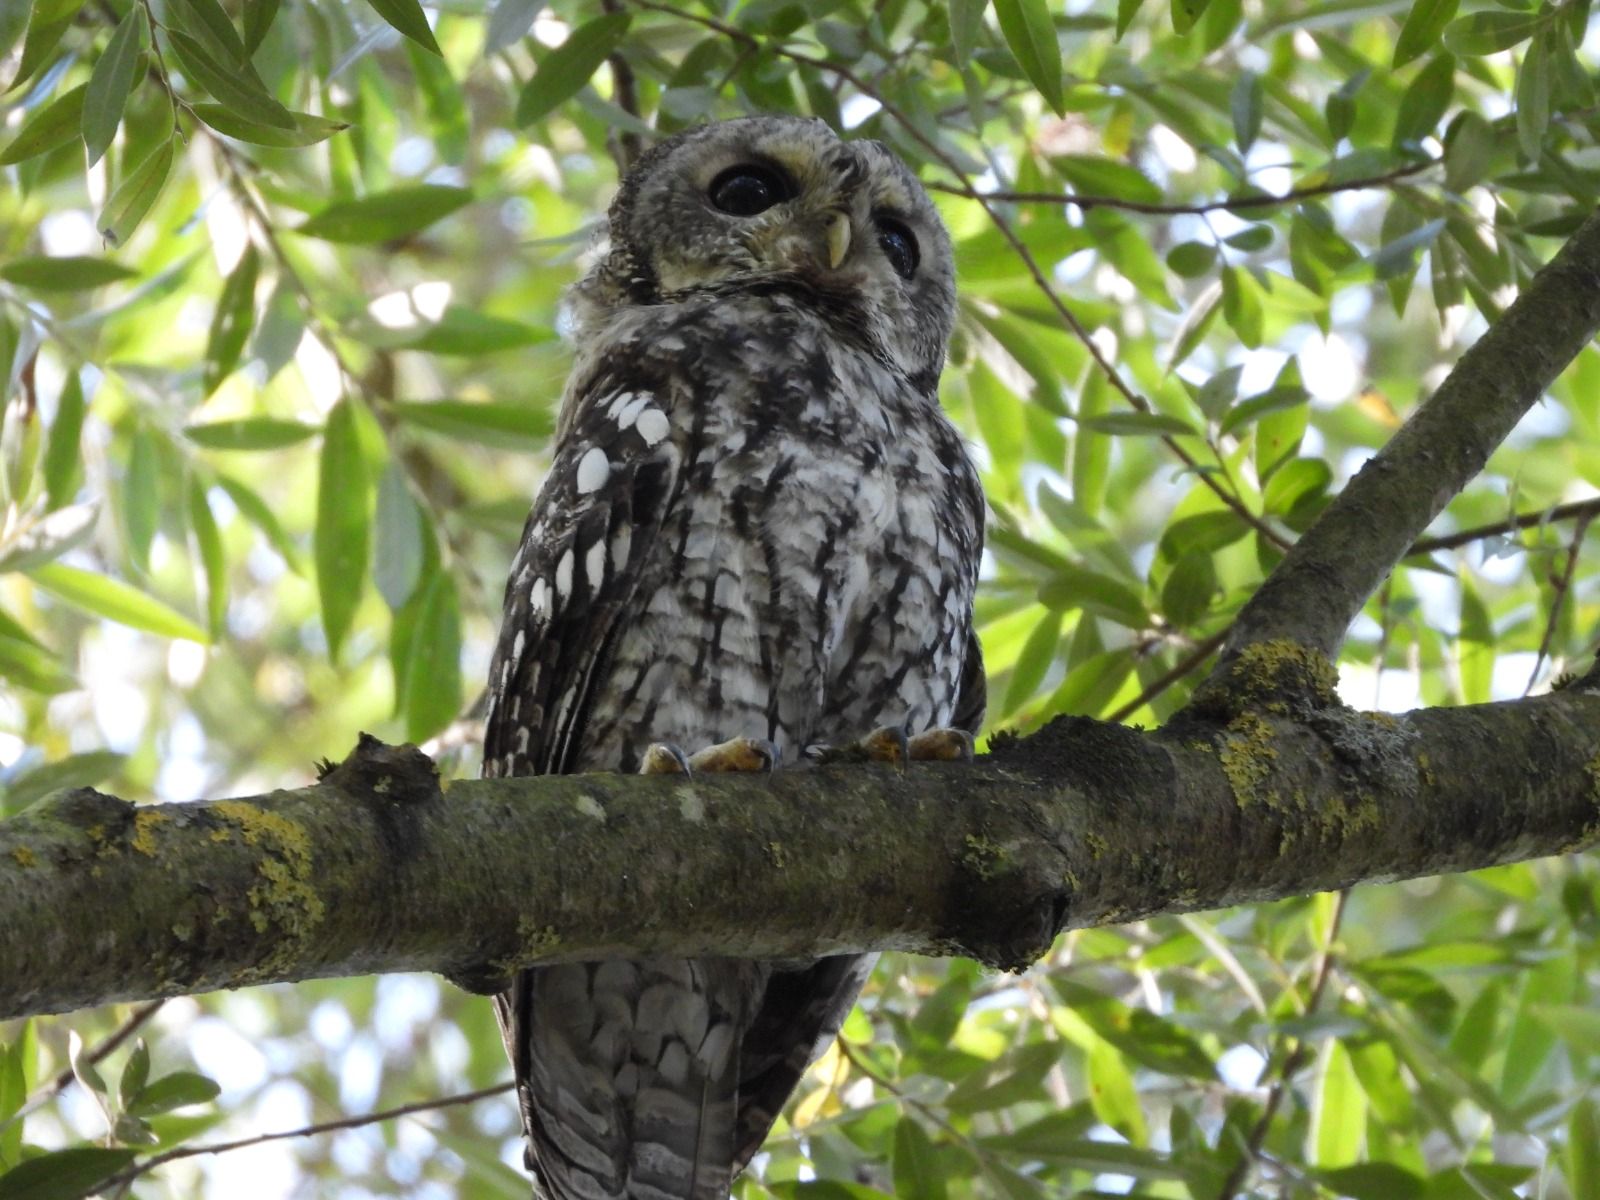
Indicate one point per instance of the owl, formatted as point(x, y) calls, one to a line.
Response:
point(759, 536)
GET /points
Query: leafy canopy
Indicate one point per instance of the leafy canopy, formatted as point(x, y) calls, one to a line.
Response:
point(279, 314)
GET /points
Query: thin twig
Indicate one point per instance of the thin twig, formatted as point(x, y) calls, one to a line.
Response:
point(122, 1178)
point(1292, 1064)
point(625, 146)
point(1584, 510)
point(1560, 587)
point(1153, 208)
point(1189, 663)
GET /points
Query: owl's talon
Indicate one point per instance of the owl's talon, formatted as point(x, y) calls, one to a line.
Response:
point(885, 744)
point(663, 758)
point(941, 745)
point(736, 755)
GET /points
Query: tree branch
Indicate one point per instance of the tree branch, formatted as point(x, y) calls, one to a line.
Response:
point(376, 869)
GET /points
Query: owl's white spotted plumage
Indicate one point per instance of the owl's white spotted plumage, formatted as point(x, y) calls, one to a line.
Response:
point(758, 524)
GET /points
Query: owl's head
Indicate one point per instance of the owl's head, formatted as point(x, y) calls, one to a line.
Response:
point(783, 202)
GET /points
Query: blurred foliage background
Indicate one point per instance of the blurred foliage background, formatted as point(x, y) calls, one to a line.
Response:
point(280, 317)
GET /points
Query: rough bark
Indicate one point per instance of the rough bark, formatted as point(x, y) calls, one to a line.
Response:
point(376, 869)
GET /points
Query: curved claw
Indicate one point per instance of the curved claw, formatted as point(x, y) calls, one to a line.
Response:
point(737, 754)
point(941, 745)
point(663, 758)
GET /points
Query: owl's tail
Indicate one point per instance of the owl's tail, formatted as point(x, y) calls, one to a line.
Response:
point(628, 1074)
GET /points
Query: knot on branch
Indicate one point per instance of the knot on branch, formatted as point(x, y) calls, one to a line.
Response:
point(375, 770)
point(1278, 677)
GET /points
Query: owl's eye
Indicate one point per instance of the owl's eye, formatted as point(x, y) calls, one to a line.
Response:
point(899, 246)
point(748, 189)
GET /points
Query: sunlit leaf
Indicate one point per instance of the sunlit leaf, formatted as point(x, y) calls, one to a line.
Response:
point(386, 216)
point(114, 600)
point(343, 524)
point(306, 129)
point(1031, 35)
point(177, 1090)
point(111, 83)
point(56, 124)
point(569, 66)
point(63, 273)
point(408, 18)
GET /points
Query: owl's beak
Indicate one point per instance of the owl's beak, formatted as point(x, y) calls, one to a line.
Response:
point(837, 230)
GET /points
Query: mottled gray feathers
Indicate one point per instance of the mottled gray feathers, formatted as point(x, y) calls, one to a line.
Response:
point(757, 523)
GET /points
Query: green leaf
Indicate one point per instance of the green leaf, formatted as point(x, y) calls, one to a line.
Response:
point(1242, 305)
point(207, 23)
point(509, 22)
point(466, 332)
point(82, 1069)
point(1138, 424)
point(1091, 175)
point(341, 537)
point(966, 27)
point(141, 497)
point(1112, 1092)
point(386, 216)
point(1338, 1110)
point(1400, 255)
point(213, 561)
point(111, 83)
point(497, 425)
point(1038, 653)
point(237, 90)
point(1190, 587)
point(562, 72)
point(47, 21)
point(407, 17)
point(114, 600)
point(249, 433)
point(1126, 11)
point(1533, 97)
point(1423, 26)
point(1100, 594)
point(136, 194)
point(1245, 104)
point(258, 18)
point(64, 273)
point(63, 1174)
point(398, 551)
point(18, 1061)
point(135, 1073)
point(1373, 1181)
point(1192, 259)
point(1253, 408)
point(307, 129)
point(432, 687)
point(63, 466)
point(1493, 30)
point(1424, 104)
point(1475, 646)
point(1031, 35)
point(232, 320)
point(256, 511)
point(1582, 1165)
point(177, 1090)
point(916, 1170)
point(53, 125)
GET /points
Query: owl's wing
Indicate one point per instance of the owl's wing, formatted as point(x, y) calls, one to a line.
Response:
point(576, 572)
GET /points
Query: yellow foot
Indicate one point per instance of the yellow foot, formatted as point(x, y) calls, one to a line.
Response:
point(735, 754)
point(889, 744)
